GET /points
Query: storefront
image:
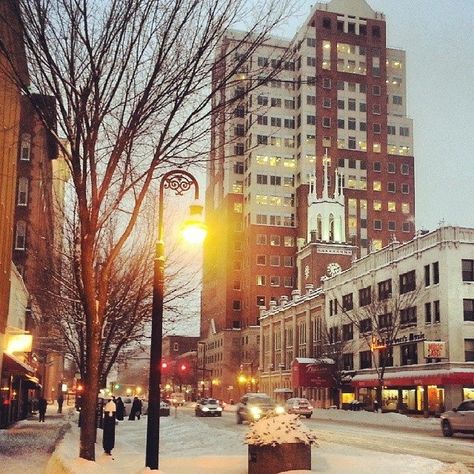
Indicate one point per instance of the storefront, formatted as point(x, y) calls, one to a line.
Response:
point(428, 391)
point(18, 389)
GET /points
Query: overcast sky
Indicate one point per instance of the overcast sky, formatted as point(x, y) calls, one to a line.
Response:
point(438, 37)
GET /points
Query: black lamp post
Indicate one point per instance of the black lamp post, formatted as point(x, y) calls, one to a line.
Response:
point(178, 181)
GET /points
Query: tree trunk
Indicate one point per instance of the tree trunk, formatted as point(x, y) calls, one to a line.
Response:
point(89, 405)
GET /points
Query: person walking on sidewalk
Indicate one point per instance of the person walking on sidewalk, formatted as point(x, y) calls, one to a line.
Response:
point(60, 402)
point(42, 405)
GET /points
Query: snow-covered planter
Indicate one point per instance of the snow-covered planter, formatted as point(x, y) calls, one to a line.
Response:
point(279, 443)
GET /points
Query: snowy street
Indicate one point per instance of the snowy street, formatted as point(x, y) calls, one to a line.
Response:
point(215, 445)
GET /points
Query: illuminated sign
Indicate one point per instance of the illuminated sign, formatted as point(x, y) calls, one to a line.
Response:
point(19, 343)
point(434, 350)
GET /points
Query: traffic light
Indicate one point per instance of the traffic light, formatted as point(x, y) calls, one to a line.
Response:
point(183, 367)
point(164, 365)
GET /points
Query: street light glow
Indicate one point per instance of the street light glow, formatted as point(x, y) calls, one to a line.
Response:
point(194, 230)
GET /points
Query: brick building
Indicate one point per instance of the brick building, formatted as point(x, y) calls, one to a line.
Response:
point(313, 167)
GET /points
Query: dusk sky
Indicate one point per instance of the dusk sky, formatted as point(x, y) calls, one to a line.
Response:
point(437, 36)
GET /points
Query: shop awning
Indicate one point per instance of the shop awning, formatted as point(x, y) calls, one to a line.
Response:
point(31, 382)
point(14, 365)
point(460, 376)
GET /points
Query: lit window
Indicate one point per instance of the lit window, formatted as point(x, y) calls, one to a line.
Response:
point(289, 241)
point(391, 206)
point(405, 208)
point(376, 148)
point(260, 280)
point(377, 205)
point(376, 244)
point(377, 186)
point(238, 207)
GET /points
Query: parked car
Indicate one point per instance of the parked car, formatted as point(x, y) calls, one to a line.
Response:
point(164, 409)
point(299, 406)
point(253, 406)
point(208, 407)
point(458, 420)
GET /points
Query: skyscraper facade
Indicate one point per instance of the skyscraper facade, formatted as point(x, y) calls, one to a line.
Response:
point(321, 152)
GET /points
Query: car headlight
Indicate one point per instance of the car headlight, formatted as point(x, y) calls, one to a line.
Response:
point(219, 409)
point(255, 412)
point(205, 409)
point(279, 410)
point(310, 407)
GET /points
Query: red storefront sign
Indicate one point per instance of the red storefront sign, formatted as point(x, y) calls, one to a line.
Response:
point(312, 374)
point(454, 378)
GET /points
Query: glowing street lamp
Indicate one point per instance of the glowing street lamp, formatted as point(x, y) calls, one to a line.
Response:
point(194, 230)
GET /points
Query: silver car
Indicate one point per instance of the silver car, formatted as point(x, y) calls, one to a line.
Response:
point(458, 420)
point(299, 406)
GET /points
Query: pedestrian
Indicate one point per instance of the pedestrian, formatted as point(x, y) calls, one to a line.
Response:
point(376, 406)
point(120, 408)
point(42, 405)
point(108, 437)
point(136, 409)
point(60, 402)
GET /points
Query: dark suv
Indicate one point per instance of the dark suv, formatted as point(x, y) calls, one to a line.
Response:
point(253, 406)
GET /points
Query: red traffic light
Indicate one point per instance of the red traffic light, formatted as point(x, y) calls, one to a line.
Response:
point(164, 365)
point(183, 367)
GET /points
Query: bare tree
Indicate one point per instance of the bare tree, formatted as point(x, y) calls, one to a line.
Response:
point(330, 358)
point(379, 319)
point(133, 84)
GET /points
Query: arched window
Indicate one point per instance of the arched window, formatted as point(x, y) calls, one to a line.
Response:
point(22, 198)
point(331, 228)
point(319, 227)
point(20, 235)
point(25, 151)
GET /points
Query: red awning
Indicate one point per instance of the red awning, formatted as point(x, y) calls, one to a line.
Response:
point(428, 378)
point(13, 365)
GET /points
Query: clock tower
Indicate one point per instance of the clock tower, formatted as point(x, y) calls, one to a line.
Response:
point(325, 251)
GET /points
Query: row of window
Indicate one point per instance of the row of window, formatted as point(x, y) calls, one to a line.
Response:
point(275, 240)
point(276, 260)
point(287, 181)
point(348, 27)
point(264, 200)
point(408, 356)
point(261, 301)
point(274, 281)
point(376, 166)
point(285, 221)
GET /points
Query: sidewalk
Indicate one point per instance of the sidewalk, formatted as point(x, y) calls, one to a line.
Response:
point(31, 439)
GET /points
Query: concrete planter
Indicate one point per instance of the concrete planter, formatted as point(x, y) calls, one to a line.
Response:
point(282, 457)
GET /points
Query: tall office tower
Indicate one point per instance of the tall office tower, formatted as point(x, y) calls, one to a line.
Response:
point(321, 154)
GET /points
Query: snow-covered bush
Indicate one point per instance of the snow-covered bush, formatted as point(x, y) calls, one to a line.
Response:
point(274, 429)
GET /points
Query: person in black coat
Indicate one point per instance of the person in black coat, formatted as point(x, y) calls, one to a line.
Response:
point(108, 436)
point(136, 409)
point(42, 405)
point(120, 408)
